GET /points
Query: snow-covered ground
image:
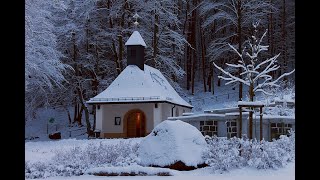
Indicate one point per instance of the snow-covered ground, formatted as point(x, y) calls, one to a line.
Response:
point(39, 128)
point(286, 173)
point(66, 159)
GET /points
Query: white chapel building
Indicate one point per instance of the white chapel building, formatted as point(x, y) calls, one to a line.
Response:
point(138, 99)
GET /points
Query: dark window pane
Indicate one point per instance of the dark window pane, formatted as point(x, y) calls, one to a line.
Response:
point(233, 134)
point(234, 129)
point(205, 128)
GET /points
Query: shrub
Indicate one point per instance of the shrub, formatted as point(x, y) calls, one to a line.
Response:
point(225, 154)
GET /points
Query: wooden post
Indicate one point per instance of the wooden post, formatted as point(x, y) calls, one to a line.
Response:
point(240, 121)
point(250, 123)
point(261, 134)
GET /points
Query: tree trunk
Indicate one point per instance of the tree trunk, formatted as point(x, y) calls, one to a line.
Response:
point(80, 115)
point(116, 58)
point(120, 52)
point(194, 45)
point(155, 38)
point(239, 44)
point(75, 110)
point(203, 59)
point(251, 94)
point(86, 111)
point(212, 75)
point(114, 50)
point(69, 116)
point(188, 58)
point(271, 38)
point(209, 83)
point(284, 44)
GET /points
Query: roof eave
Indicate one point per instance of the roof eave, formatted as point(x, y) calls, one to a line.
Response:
point(133, 102)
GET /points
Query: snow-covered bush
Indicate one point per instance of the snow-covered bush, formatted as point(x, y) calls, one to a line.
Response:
point(171, 142)
point(225, 154)
point(282, 94)
point(77, 160)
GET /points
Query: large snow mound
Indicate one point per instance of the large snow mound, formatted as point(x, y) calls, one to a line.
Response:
point(170, 142)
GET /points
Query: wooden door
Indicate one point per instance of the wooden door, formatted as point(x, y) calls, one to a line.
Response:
point(131, 131)
point(136, 124)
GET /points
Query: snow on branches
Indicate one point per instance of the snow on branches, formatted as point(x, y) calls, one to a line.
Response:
point(255, 72)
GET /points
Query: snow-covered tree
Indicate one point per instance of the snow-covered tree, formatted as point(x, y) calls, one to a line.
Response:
point(43, 69)
point(230, 20)
point(160, 27)
point(255, 71)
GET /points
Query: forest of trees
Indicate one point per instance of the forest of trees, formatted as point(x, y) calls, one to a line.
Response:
point(75, 48)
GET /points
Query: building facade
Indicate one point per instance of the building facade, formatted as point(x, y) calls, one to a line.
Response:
point(138, 99)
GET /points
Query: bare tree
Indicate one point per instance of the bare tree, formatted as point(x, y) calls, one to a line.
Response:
point(255, 72)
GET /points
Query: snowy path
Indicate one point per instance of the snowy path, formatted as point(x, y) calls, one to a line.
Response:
point(286, 173)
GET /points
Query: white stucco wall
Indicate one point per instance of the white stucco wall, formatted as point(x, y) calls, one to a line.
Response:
point(99, 118)
point(157, 114)
point(105, 116)
point(110, 111)
point(167, 110)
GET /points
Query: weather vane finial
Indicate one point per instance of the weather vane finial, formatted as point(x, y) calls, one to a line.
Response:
point(136, 22)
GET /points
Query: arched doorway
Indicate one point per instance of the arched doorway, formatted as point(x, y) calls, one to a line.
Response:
point(135, 121)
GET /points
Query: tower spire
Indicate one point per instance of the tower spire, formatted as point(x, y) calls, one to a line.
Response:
point(136, 22)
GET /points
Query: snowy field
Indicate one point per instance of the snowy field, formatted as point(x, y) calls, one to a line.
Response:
point(57, 160)
point(287, 173)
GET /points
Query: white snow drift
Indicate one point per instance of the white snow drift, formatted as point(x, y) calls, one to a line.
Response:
point(172, 141)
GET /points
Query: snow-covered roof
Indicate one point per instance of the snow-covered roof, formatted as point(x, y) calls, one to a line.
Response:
point(199, 117)
point(222, 110)
point(249, 103)
point(136, 85)
point(135, 39)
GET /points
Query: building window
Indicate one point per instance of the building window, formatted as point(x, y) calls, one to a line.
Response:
point(278, 129)
point(117, 121)
point(209, 128)
point(177, 112)
point(232, 129)
point(156, 105)
point(98, 106)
